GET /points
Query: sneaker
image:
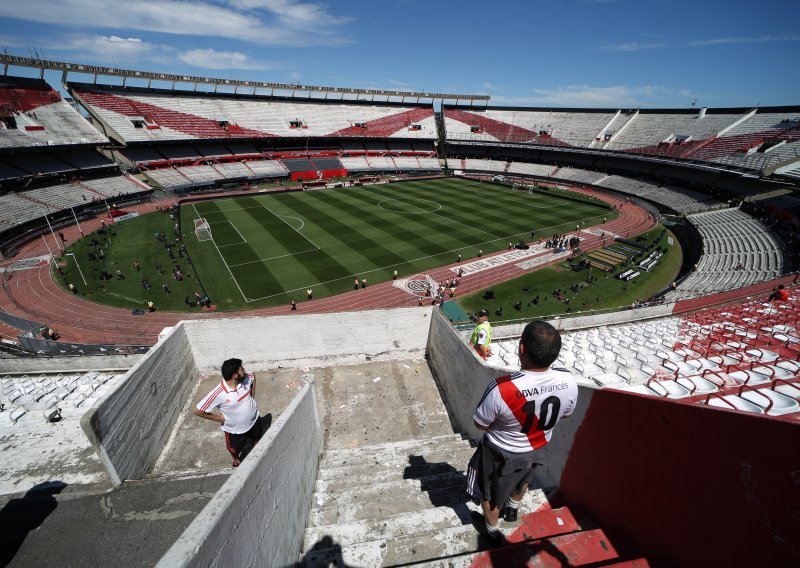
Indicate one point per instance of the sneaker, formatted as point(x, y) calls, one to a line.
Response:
point(491, 540)
point(509, 514)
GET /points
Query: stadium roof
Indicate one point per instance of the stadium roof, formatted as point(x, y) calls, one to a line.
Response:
point(98, 71)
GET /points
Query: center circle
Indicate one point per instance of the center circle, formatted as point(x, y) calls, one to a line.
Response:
point(409, 207)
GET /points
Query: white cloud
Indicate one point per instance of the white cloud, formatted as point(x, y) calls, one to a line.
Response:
point(291, 11)
point(212, 59)
point(632, 46)
point(276, 22)
point(636, 46)
point(617, 96)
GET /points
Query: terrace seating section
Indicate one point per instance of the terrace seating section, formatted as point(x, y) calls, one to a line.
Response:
point(792, 170)
point(34, 114)
point(525, 169)
point(474, 165)
point(17, 208)
point(674, 134)
point(34, 399)
point(208, 174)
point(141, 115)
point(356, 164)
point(580, 176)
point(738, 357)
point(526, 126)
point(415, 163)
point(739, 144)
point(678, 199)
point(114, 186)
point(783, 152)
point(738, 250)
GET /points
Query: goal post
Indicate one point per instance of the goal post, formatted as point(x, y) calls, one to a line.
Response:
point(202, 230)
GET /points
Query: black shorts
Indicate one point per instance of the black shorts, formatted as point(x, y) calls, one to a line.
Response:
point(493, 473)
point(238, 443)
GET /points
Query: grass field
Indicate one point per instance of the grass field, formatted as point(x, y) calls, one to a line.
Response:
point(269, 248)
point(600, 293)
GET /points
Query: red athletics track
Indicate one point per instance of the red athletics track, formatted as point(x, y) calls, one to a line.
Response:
point(34, 295)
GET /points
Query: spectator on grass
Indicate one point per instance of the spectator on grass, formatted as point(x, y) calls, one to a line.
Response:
point(310, 294)
point(72, 288)
point(355, 284)
point(364, 282)
point(119, 274)
point(151, 307)
point(136, 265)
point(394, 275)
point(480, 253)
point(165, 288)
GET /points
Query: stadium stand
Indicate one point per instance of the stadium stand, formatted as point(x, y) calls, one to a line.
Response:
point(139, 115)
point(674, 134)
point(540, 126)
point(18, 208)
point(740, 356)
point(738, 250)
point(34, 114)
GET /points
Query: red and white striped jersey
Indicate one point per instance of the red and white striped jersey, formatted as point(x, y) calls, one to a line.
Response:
point(237, 406)
point(521, 410)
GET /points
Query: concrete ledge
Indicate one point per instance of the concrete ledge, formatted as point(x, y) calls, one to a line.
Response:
point(313, 340)
point(461, 375)
point(258, 517)
point(130, 425)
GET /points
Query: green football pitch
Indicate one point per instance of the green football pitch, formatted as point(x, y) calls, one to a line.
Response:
point(266, 249)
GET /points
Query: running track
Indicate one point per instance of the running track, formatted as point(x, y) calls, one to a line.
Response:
point(34, 295)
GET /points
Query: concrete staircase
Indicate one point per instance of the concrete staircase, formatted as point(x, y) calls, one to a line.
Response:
point(405, 502)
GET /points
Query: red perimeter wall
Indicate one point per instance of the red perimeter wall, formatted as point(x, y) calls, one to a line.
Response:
point(688, 485)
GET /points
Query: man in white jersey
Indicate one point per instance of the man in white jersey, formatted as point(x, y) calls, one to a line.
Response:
point(239, 419)
point(518, 413)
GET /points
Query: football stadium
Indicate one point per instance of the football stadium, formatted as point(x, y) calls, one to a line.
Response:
point(345, 247)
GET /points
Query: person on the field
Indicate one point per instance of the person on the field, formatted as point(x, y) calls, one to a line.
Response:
point(482, 334)
point(238, 411)
point(517, 413)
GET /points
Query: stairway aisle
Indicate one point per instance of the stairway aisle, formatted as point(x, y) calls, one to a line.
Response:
point(394, 503)
point(391, 485)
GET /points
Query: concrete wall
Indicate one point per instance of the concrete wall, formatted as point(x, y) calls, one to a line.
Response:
point(258, 517)
point(462, 377)
point(130, 425)
point(687, 484)
point(313, 340)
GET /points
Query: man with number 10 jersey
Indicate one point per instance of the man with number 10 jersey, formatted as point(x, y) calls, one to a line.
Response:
point(518, 413)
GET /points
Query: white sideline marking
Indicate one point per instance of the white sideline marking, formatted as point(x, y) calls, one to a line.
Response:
point(223, 259)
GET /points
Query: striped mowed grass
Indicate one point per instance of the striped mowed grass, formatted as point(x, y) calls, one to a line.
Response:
point(269, 248)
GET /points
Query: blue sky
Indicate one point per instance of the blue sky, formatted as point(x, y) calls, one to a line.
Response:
point(585, 53)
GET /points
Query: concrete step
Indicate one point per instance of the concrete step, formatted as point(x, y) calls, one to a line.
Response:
point(383, 524)
point(416, 547)
point(364, 475)
point(458, 456)
point(338, 457)
point(396, 489)
point(368, 509)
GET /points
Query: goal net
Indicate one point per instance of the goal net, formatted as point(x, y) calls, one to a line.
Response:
point(202, 230)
